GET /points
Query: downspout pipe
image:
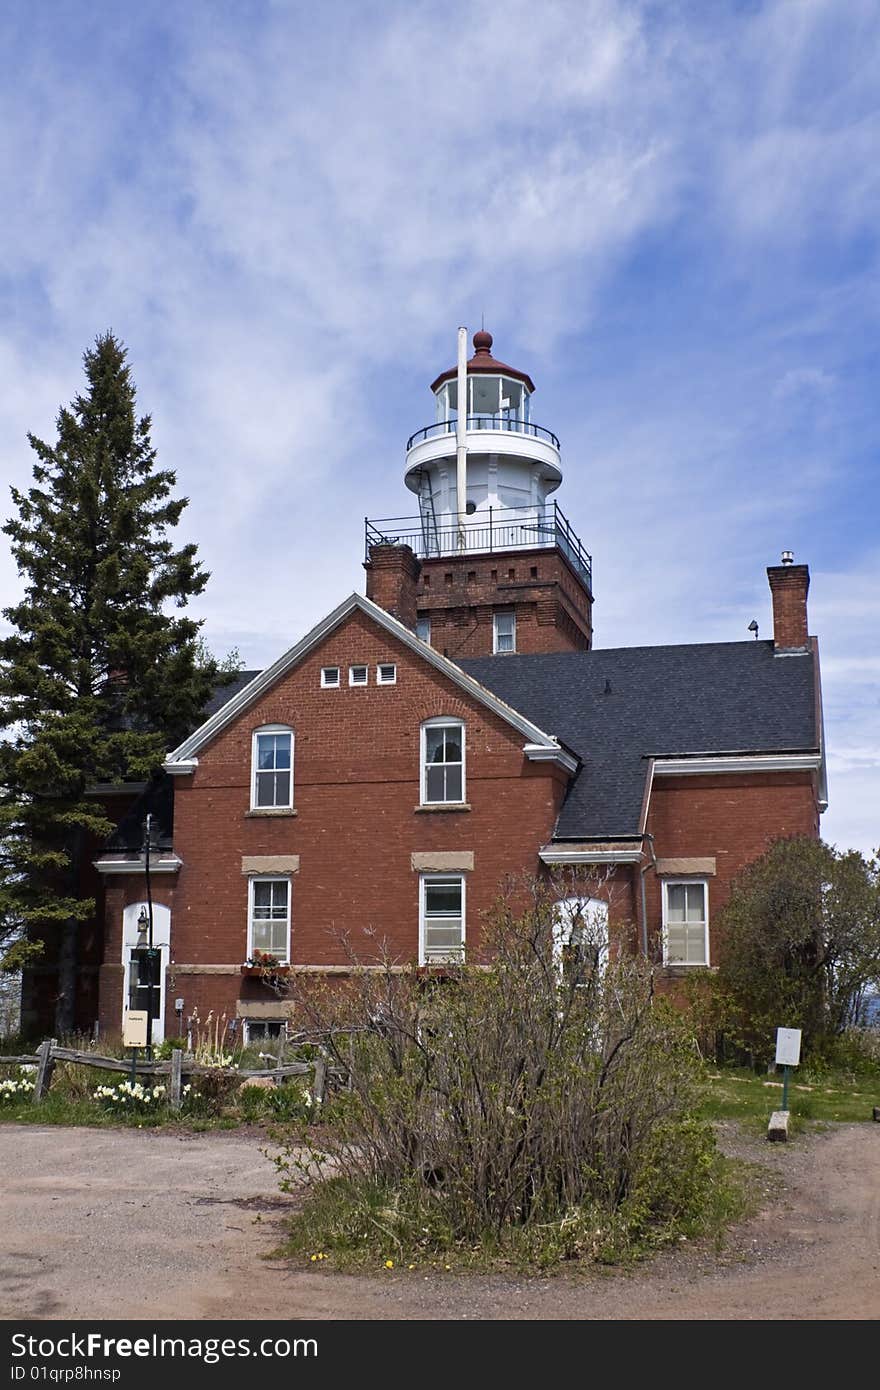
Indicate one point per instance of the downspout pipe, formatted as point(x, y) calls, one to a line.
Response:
point(642, 872)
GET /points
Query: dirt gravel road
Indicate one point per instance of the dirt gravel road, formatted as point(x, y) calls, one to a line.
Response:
point(132, 1224)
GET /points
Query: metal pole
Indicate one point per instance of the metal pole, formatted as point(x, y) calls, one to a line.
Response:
point(461, 438)
point(785, 1088)
point(150, 951)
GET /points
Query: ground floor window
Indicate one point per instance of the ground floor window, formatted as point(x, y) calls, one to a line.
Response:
point(258, 1029)
point(685, 922)
point(269, 918)
point(441, 918)
point(145, 981)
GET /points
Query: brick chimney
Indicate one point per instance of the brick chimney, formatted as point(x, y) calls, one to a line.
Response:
point(789, 584)
point(392, 576)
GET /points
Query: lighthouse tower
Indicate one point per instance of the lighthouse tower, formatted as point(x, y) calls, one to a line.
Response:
point(488, 564)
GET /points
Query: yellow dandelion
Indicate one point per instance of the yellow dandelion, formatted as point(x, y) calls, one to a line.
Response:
point(389, 1264)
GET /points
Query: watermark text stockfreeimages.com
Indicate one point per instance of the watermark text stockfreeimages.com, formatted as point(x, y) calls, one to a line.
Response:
point(98, 1346)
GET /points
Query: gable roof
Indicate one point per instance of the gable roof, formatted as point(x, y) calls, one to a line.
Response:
point(539, 745)
point(618, 708)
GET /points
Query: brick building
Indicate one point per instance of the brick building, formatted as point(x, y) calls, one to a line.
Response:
point(454, 727)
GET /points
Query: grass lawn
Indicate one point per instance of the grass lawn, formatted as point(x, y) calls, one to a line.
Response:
point(817, 1096)
point(59, 1109)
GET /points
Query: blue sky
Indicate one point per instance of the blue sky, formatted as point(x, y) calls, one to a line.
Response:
point(668, 213)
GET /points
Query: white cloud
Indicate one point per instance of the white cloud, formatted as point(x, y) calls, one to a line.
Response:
point(285, 214)
point(804, 381)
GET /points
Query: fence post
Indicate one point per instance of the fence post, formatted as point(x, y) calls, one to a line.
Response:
point(319, 1081)
point(45, 1068)
point(176, 1078)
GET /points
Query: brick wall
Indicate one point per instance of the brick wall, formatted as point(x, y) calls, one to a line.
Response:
point(357, 822)
point(459, 594)
point(731, 818)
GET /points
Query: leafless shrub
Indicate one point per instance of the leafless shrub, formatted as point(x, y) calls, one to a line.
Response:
point(543, 1084)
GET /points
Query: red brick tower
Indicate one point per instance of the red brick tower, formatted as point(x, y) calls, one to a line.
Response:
point(489, 564)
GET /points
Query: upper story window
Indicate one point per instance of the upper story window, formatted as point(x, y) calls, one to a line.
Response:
point(442, 761)
point(269, 917)
point(504, 632)
point(423, 629)
point(685, 922)
point(330, 677)
point(272, 780)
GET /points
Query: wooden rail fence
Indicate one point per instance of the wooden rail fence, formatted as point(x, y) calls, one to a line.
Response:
point(181, 1064)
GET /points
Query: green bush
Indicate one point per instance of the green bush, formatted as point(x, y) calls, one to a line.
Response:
point(291, 1100)
point(799, 947)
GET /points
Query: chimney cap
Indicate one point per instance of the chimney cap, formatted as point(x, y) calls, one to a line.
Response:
point(788, 557)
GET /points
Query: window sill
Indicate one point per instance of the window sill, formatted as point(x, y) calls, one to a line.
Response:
point(680, 968)
point(443, 806)
point(270, 811)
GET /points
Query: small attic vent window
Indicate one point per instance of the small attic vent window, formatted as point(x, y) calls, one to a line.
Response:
point(329, 677)
point(358, 675)
point(386, 674)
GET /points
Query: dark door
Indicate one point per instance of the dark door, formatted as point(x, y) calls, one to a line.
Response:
point(144, 975)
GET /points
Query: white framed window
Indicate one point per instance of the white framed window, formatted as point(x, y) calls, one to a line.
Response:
point(269, 917)
point(441, 918)
point(685, 922)
point(423, 629)
point(442, 762)
point(386, 673)
point(260, 1029)
point(504, 632)
point(329, 677)
point(272, 763)
point(358, 675)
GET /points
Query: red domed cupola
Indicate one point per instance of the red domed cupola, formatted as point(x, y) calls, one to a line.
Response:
point(483, 361)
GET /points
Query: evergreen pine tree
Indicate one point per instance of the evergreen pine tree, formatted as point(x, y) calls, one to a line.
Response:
point(99, 675)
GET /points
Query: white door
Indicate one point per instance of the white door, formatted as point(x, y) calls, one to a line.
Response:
point(581, 927)
point(139, 990)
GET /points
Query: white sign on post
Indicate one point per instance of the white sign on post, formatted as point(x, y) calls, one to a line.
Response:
point(788, 1047)
point(134, 1029)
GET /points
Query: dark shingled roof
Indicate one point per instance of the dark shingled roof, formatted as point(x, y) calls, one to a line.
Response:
point(616, 708)
point(225, 691)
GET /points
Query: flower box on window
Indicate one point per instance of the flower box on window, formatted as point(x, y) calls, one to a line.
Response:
point(263, 966)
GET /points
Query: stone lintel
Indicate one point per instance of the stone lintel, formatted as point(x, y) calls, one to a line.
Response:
point(270, 863)
point(683, 866)
point(443, 861)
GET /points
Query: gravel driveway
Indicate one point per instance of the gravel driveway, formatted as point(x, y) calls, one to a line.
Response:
point(124, 1223)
